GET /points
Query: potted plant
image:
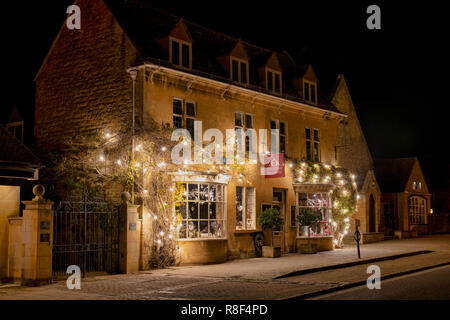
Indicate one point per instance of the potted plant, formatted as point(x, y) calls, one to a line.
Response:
point(270, 219)
point(308, 217)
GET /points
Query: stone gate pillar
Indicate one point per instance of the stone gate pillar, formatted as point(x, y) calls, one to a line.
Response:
point(129, 236)
point(37, 239)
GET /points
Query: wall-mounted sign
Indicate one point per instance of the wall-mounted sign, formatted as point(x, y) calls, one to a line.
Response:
point(274, 165)
point(132, 226)
point(45, 237)
point(45, 225)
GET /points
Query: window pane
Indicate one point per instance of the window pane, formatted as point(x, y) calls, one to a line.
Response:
point(212, 210)
point(308, 150)
point(185, 56)
point(177, 107)
point(313, 93)
point(277, 196)
point(302, 199)
point(316, 152)
point(234, 70)
point(175, 52)
point(316, 135)
point(193, 210)
point(204, 210)
point(282, 128)
point(212, 193)
point(190, 109)
point(282, 144)
point(177, 122)
point(203, 229)
point(251, 208)
point(269, 80)
point(243, 72)
point(306, 91)
point(239, 208)
point(193, 229)
point(248, 121)
point(308, 133)
point(193, 192)
point(273, 124)
point(203, 192)
point(277, 83)
point(238, 119)
point(190, 126)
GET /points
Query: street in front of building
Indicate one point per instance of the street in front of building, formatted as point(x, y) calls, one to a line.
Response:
point(293, 276)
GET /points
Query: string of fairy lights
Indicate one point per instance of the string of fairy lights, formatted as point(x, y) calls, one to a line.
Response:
point(150, 160)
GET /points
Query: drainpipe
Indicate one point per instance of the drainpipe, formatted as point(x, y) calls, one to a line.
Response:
point(133, 74)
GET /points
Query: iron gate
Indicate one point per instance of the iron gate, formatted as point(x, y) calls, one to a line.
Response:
point(86, 234)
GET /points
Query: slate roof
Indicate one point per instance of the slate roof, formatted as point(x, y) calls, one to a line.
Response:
point(393, 174)
point(12, 151)
point(144, 24)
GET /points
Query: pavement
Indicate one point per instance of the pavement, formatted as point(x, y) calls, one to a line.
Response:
point(293, 276)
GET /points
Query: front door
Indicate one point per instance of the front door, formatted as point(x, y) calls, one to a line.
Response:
point(278, 202)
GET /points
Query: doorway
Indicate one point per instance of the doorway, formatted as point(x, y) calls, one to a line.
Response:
point(279, 203)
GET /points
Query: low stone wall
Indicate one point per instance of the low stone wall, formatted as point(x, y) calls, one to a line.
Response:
point(370, 237)
point(203, 251)
point(323, 243)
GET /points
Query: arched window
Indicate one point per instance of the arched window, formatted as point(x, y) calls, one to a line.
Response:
point(417, 210)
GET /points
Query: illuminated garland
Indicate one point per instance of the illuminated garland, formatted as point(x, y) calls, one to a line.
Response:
point(343, 193)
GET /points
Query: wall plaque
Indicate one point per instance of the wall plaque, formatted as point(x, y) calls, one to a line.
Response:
point(45, 225)
point(45, 237)
point(132, 226)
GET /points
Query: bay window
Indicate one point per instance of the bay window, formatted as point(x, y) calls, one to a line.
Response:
point(319, 201)
point(203, 211)
point(417, 210)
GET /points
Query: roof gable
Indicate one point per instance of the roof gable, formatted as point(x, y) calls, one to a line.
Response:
point(181, 32)
point(393, 174)
point(239, 51)
point(309, 74)
point(274, 63)
point(417, 176)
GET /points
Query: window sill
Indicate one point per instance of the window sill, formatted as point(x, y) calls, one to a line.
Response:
point(203, 239)
point(246, 231)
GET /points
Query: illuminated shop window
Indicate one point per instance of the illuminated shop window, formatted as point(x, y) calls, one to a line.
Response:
point(203, 211)
point(319, 201)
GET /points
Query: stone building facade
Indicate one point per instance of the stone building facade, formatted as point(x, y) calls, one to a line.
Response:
point(185, 73)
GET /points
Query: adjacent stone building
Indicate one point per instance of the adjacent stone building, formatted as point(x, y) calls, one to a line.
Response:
point(405, 198)
point(186, 72)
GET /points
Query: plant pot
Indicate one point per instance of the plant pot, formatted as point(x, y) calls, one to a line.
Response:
point(271, 252)
point(308, 248)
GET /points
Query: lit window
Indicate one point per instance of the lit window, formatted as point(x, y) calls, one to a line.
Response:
point(419, 186)
point(203, 211)
point(312, 144)
point(416, 210)
point(414, 185)
point(245, 208)
point(184, 114)
point(181, 53)
point(320, 202)
point(309, 91)
point(273, 80)
point(239, 70)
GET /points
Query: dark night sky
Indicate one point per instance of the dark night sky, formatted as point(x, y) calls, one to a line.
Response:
point(388, 70)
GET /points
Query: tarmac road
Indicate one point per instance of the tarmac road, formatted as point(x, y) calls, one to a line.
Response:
point(433, 284)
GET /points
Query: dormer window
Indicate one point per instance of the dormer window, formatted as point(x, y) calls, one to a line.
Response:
point(239, 70)
point(310, 91)
point(16, 129)
point(273, 80)
point(181, 53)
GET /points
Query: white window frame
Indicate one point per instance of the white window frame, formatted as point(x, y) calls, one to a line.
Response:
point(239, 61)
point(328, 208)
point(273, 80)
point(222, 202)
point(184, 115)
point(180, 49)
point(244, 124)
point(245, 209)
